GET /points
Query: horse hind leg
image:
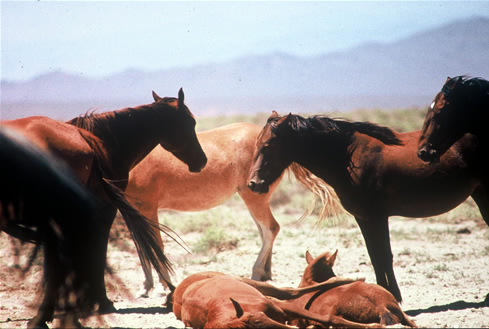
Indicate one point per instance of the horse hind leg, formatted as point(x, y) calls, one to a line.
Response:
point(259, 208)
point(481, 198)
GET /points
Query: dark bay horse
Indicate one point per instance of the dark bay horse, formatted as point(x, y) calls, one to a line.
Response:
point(160, 181)
point(103, 164)
point(42, 202)
point(375, 173)
point(462, 106)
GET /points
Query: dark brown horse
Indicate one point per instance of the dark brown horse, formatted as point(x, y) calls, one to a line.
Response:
point(130, 134)
point(103, 165)
point(42, 202)
point(375, 173)
point(462, 106)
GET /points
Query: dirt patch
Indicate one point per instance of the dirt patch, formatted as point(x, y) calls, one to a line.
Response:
point(441, 265)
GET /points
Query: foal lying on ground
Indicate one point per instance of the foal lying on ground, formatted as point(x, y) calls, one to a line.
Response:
point(357, 301)
point(216, 300)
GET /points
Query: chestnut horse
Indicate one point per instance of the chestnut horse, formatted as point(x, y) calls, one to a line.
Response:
point(462, 106)
point(162, 182)
point(103, 165)
point(42, 202)
point(375, 173)
point(357, 301)
point(217, 300)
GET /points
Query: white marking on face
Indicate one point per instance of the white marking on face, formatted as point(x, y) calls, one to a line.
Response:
point(432, 105)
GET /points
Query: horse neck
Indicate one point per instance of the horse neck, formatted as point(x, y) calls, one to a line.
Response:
point(129, 135)
point(479, 123)
point(324, 156)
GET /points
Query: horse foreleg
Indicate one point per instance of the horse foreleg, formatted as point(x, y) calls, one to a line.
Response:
point(377, 240)
point(259, 208)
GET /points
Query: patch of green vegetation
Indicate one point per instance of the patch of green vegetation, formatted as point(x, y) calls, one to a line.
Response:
point(215, 239)
point(441, 267)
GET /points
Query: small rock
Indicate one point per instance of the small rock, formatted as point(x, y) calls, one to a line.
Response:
point(464, 230)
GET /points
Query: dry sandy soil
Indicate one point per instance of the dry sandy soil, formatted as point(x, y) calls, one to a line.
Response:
point(441, 264)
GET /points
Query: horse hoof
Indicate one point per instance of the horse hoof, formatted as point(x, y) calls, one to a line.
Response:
point(143, 293)
point(37, 324)
point(106, 308)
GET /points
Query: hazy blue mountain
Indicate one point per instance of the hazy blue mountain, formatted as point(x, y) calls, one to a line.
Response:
point(404, 73)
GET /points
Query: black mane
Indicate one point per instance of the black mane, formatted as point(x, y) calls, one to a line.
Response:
point(323, 124)
point(464, 89)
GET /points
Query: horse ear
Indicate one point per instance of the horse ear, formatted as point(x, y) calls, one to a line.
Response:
point(274, 115)
point(448, 79)
point(238, 308)
point(332, 258)
point(309, 257)
point(181, 98)
point(156, 97)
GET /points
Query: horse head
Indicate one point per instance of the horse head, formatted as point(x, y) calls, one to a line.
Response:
point(272, 154)
point(318, 269)
point(455, 111)
point(179, 136)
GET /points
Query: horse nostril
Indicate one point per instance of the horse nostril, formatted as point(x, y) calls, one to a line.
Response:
point(251, 185)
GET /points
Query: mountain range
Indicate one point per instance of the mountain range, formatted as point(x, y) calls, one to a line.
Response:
point(405, 73)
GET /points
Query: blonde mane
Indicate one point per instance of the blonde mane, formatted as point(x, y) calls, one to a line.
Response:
point(331, 205)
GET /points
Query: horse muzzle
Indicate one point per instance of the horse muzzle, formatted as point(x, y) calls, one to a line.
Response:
point(428, 154)
point(258, 186)
point(197, 167)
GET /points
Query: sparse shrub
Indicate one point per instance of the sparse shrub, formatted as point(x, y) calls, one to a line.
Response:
point(216, 239)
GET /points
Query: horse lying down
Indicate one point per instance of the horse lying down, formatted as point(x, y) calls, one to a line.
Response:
point(356, 301)
point(217, 300)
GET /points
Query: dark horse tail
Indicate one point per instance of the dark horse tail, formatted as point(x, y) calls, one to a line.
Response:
point(141, 228)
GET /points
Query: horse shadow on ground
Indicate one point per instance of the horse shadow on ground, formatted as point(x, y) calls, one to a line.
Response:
point(455, 306)
point(143, 310)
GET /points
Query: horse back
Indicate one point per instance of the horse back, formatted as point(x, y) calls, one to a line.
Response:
point(60, 139)
point(162, 179)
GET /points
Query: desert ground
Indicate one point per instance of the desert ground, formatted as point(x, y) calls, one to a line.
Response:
point(441, 263)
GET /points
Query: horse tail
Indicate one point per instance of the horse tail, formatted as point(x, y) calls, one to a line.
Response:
point(331, 205)
point(142, 230)
point(406, 321)
point(395, 316)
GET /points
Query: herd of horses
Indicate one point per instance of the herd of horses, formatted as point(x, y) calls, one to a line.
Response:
point(62, 183)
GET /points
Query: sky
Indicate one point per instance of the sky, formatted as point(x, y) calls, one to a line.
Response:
point(96, 39)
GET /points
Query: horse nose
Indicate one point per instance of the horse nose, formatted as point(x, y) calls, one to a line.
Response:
point(258, 187)
point(426, 154)
point(252, 185)
point(197, 168)
point(423, 154)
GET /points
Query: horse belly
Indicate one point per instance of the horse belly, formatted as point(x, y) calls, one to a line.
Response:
point(430, 200)
point(196, 192)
